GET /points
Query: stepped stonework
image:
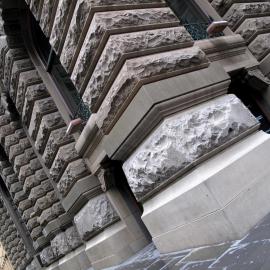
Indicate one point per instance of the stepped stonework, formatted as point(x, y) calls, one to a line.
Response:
point(128, 132)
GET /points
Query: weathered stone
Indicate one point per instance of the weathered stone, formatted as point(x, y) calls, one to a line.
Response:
point(60, 245)
point(19, 196)
point(252, 26)
point(260, 46)
point(41, 108)
point(33, 93)
point(57, 138)
point(95, 215)
point(32, 223)
point(85, 9)
point(34, 180)
point(27, 214)
point(239, 10)
point(184, 138)
point(45, 202)
point(138, 71)
point(74, 171)
point(7, 171)
point(36, 233)
point(15, 188)
point(47, 16)
point(105, 22)
point(65, 155)
point(73, 237)
point(34, 6)
point(24, 205)
point(123, 46)
point(18, 149)
point(47, 256)
point(7, 130)
point(19, 67)
point(48, 123)
point(60, 21)
point(11, 179)
point(40, 191)
point(50, 214)
point(26, 79)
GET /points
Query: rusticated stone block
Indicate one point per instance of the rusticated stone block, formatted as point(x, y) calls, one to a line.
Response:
point(221, 6)
point(23, 159)
point(24, 205)
point(50, 214)
point(40, 191)
point(85, 10)
point(183, 139)
point(73, 237)
point(45, 202)
point(34, 6)
point(34, 180)
point(19, 196)
point(104, 23)
point(74, 171)
point(7, 130)
point(41, 108)
point(237, 12)
point(48, 123)
point(11, 179)
point(60, 22)
point(19, 149)
point(7, 171)
point(250, 28)
point(260, 46)
point(60, 245)
point(26, 79)
point(32, 223)
point(19, 67)
point(4, 120)
point(123, 46)
point(27, 214)
point(57, 138)
point(65, 155)
point(139, 71)
point(33, 93)
point(47, 16)
point(36, 233)
point(47, 256)
point(15, 188)
point(95, 215)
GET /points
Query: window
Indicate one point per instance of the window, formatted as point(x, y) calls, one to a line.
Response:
point(192, 17)
point(58, 74)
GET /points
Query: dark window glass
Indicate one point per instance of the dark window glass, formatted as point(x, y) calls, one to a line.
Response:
point(58, 73)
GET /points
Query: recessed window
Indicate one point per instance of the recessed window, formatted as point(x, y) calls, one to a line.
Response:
point(58, 74)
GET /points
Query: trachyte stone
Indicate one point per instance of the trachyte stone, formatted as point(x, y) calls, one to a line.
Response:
point(260, 46)
point(74, 171)
point(60, 245)
point(239, 10)
point(95, 215)
point(184, 138)
point(120, 47)
point(118, 22)
point(138, 71)
point(47, 256)
point(65, 155)
point(48, 123)
point(85, 9)
point(73, 237)
point(57, 138)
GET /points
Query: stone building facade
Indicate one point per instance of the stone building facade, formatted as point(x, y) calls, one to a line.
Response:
point(123, 123)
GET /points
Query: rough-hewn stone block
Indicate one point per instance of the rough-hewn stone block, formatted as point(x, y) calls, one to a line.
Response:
point(95, 215)
point(182, 139)
point(260, 46)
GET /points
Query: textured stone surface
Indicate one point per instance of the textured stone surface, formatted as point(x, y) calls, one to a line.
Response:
point(40, 191)
point(83, 9)
point(74, 171)
point(118, 48)
point(57, 138)
point(95, 215)
point(182, 139)
point(41, 108)
point(252, 26)
point(260, 46)
point(136, 70)
point(47, 16)
point(73, 237)
point(237, 11)
point(50, 214)
point(48, 123)
point(65, 155)
point(117, 20)
point(33, 93)
point(60, 245)
point(60, 22)
point(34, 6)
point(47, 256)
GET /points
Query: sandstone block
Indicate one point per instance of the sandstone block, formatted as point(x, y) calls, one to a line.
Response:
point(182, 139)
